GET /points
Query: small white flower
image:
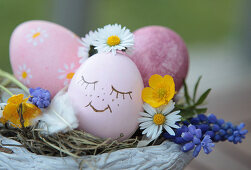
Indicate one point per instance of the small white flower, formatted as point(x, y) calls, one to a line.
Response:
point(112, 38)
point(36, 36)
point(87, 42)
point(24, 74)
point(154, 120)
point(67, 73)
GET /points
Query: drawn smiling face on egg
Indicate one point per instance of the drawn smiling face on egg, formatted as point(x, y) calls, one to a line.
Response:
point(85, 83)
point(106, 93)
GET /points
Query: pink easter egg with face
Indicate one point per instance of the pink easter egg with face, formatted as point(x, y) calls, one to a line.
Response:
point(44, 54)
point(159, 50)
point(106, 94)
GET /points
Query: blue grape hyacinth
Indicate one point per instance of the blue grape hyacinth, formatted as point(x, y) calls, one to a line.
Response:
point(218, 129)
point(209, 129)
point(193, 141)
point(238, 134)
point(40, 97)
point(191, 138)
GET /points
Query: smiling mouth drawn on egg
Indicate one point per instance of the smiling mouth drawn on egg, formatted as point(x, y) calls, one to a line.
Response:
point(97, 110)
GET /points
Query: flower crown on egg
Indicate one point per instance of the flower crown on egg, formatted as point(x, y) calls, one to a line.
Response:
point(110, 38)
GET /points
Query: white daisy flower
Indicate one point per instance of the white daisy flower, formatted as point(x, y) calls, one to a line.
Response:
point(36, 36)
point(154, 120)
point(67, 73)
point(87, 49)
point(24, 74)
point(112, 38)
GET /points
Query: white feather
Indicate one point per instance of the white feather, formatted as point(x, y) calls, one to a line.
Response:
point(59, 116)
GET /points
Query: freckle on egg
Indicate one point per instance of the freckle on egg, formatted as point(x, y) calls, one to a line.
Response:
point(118, 105)
point(113, 100)
point(103, 99)
point(97, 96)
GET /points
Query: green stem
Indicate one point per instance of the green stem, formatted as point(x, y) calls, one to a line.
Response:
point(6, 90)
point(5, 82)
point(14, 80)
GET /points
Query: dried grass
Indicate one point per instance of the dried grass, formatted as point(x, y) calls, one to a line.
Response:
point(74, 143)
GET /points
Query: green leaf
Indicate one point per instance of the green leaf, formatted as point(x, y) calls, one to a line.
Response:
point(195, 88)
point(187, 97)
point(186, 114)
point(180, 106)
point(201, 110)
point(203, 97)
point(189, 108)
point(187, 111)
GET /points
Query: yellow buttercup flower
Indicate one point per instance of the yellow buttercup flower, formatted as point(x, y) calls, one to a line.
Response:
point(160, 92)
point(15, 104)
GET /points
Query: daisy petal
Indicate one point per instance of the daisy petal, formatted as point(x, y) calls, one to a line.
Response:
point(147, 130)
point(149, 109)
point(155, 133)
point(159, 131)
point(145, 114)
point(61, 76)
point(144, 119)
point(144, 125)
point(169, 130)
point(174, 126)
point(168, 107)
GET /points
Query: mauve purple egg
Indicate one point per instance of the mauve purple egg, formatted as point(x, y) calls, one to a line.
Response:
point(159, 50)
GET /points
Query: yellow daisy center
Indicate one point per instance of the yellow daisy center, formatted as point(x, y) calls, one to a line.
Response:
point(159, 119)
point(24, 75)
point(36, 35)
point(113, 40)
point(70, 75)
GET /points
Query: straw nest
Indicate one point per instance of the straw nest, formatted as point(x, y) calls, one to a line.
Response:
point(74, 143)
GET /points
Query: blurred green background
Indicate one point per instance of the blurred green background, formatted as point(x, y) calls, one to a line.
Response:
point(197, 21)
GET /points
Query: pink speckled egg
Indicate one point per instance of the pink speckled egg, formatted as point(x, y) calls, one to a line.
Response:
point(44, 54)
point(106, 94)
point(159, 50)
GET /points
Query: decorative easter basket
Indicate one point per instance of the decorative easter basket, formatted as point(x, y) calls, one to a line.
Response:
point(165, 155)
point(119, 131)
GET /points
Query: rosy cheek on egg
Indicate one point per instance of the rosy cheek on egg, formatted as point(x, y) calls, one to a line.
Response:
point(106, 93)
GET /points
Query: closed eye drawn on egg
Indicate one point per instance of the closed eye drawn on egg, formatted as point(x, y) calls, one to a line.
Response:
point(83, 82)
point(119, 92)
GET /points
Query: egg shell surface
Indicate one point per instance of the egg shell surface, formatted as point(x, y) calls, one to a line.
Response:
point(44, 54)
point(106, 94)
point(159, 50)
